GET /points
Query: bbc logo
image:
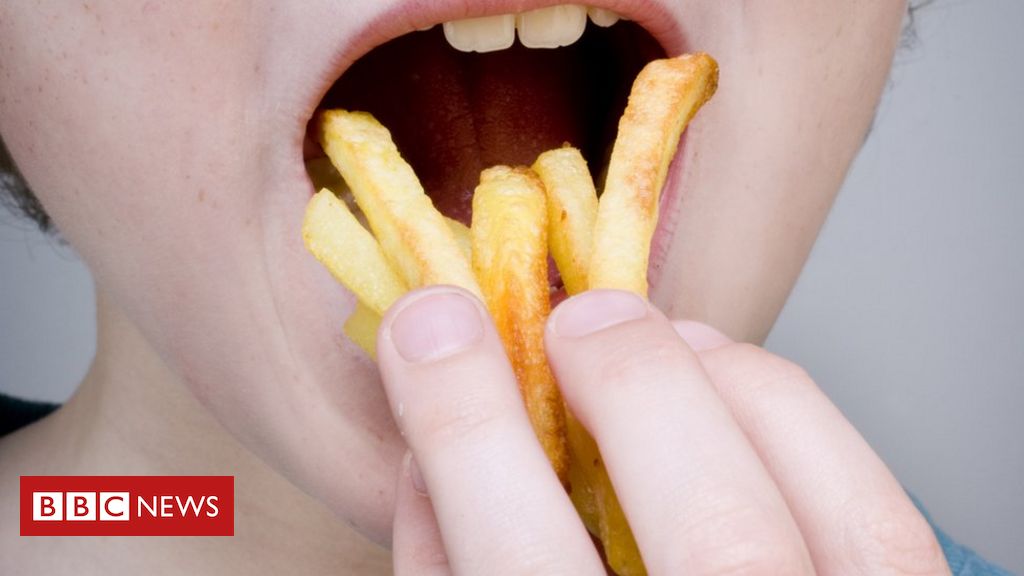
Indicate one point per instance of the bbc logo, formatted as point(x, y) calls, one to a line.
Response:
point(127, 505)
point(84, 506)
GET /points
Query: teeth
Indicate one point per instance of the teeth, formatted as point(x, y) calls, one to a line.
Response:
point(602, 17)
point(485, 34)
point(551, 27)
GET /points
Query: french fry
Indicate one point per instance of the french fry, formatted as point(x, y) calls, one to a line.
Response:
point(413, 234)
point(361, 327)
point(572, 211)
point(334, 236)
point(510, 252)
point(595, 501)
point(665, 96)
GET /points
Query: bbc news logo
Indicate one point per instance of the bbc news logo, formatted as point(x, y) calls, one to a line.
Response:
point(127, 505)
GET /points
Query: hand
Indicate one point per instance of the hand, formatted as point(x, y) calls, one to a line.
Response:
point(726, 459)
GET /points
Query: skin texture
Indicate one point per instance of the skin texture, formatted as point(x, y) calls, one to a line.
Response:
point(165, 139)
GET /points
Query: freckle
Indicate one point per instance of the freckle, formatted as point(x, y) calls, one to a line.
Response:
point(202, 195)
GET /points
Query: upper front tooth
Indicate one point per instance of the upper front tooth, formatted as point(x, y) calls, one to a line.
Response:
point(602, 17)
point(551, 27)
point(482, 34)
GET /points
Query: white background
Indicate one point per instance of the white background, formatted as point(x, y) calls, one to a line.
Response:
point(909, 313)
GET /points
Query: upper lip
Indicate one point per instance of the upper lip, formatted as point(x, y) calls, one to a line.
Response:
point(411, 15)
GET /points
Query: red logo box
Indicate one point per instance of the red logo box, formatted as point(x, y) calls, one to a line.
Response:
point(127, 505)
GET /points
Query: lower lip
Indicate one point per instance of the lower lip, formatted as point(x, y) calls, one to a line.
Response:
point(668, 215)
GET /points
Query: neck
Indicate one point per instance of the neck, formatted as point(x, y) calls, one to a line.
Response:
point(132, 416)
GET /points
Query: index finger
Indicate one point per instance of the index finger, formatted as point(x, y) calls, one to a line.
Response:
point(499, 504)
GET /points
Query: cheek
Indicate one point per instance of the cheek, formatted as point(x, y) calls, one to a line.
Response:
point(120, 125)
point(147, 138)
point(799, 83)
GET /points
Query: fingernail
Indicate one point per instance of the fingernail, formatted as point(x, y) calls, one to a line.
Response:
point(413, 471)
point(436, 326)
point(596, 310)
point(700, 336)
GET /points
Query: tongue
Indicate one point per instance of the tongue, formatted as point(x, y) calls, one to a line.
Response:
point(453, 114)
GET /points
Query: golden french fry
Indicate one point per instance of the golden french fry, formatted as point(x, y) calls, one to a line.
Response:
point(665, 96)
point(572, 211)
point(361, 327)
point(412, 233)
point(462, 236)
point(595, 501)
point(510, 258)
point(349, 252)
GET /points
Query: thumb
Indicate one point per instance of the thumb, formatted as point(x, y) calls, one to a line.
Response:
point(416, 544)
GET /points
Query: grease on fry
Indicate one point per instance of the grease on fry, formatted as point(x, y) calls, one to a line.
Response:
point(510, 255)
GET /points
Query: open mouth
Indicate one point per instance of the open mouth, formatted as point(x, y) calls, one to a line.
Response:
point(466, 95)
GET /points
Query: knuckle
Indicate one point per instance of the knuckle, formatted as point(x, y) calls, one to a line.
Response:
point(637, 362)
point(536, 559)
point(752, 370)
point(747, 558)
point(737, 543)
point(896, 540)
point(427, 556)
point(442, 422)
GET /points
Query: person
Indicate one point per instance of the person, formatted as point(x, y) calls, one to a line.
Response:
point(165, 141)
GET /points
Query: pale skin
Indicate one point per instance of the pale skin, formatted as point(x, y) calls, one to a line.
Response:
point(165, 139)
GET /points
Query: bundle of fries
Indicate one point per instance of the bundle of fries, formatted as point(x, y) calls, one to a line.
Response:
point(520, 215)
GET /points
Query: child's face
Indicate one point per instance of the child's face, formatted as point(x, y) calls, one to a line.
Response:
point(166, 140)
